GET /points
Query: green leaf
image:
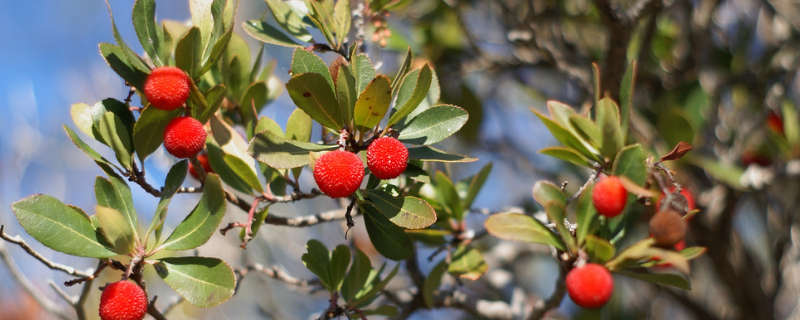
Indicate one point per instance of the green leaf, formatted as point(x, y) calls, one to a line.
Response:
point(467, 263)
point(116, 136)
point(151, 36)
point(389, 239)
point(346, 92)
point(357, 276)
point(566, 154)
point(214, 98)
point(264, 32)
point(407, 212)
point(118, 108)
point(132, 59)
point(233, 171)
point(363, 71)
point(318, 260)
point(230, 140)
point(148, 132)
point(556, 214)
point(693, 252)
point(729, 174)
point(518, 227)
point(116, 230)
point(596, 78)
point(253, 100)
point(377, 286)
point(668, 279)
point(431, 99)
point(299, 126)
point(402, 72)
point(428, 153)
point(432, 282)
point(373, 103)
point(626, 96)
point(608, 123)
point(215, 52)
point(321, 14)
point(115, 58)
point(175, 178)
point(340, 261)
point(341, 20)
point(434, 125)
point(308, 62)
point(288, 20)
point(60, 227)
point(448, 196)
point(546, 193)
point(476, 184)
point(82, 116)
point(586, 215)
point(281, 153)
point(561, 113)
point(115, 193)
point(586, 130)
point(411, 92)
point(599, 249)
point(417, 174)
point(204, 282)
point(312, 93)
point(567, 138)
point(790, 124)
point(629, 162)
point(189, 52)
point(203, 221)
point(87, 149)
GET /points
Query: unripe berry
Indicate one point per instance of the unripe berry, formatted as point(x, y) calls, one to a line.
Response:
point(667, 228)
point(590, 286)
point(203, 158)
point(167, 88)
point(609, 197)
point(123, 300)
point(387, 158)
point(184, 137)
point(339, 173)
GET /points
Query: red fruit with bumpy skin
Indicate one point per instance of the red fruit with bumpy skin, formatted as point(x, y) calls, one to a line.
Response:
point(184, 137)
point(203, 158)
point(609, 197)
point(123, 300)
point(387, 158)
point(339, 173)
point(590, 286)
point(167, 88)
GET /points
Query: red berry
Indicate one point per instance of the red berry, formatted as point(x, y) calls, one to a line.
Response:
point(387, 158)
point(590, 286)
point(123, 300)
point(184, 137)
point(203, 158)
point(339, 173)
point(167, 88)
point(775, 123)
point(609, 197)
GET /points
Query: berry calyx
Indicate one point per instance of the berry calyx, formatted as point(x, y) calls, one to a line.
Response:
point(203, 158)
point(123, 300)
point(667, 228)
point(167, 88)
point(184, 137)
point(590, 286)
point(609, 197)
point(339, 173)
point(387, 158)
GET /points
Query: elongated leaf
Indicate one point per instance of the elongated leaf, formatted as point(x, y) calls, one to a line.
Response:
point(467, 263)
point(87, 149)
point(341, 20)
point(546, 193)
point(428, 153)
point(518, 227)
point(214, 98)
point(288, 20)
point(389, 239)
point(173, 182)
point(567, 138)
point(60, 227)
point(411, 92)
point(608, 123)
point(434, 125)
point(669, 279)
point(308, 62)
point(116, 230)
point(115, 58)
point(357, 276)
point(151, 36)
point(203, 221)
point(312, 93)
point(318, 260)
point(230, 141)
point(189, 52)
point(586, 215)
point(264, 32)
point(363, 71)
point(299, 126)
point(373, 103)
point(566, 154)
point(476, 184)
point(131, 57)
point(203, 282)
point(281, 153)
point(556, 214)
point(116, 136)
point(599, 249)
point(407, 212)
point(432, 282)
point(115, 193)
point(346, 92)
point(376, 287)
point(402, 72)
point(630, 163)
point(586, 130)
point(340, 261)
point(82, 116)
point(118, 108)
point(626, 96)
point(148, 132)
point(448, 196)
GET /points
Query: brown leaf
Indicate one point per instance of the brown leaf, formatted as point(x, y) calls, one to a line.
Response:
point(681, 149)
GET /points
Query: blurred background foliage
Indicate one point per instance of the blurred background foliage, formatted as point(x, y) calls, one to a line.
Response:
point(719, 74)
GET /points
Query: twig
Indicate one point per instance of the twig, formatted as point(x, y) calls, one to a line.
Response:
point(483, 309)
point(541, 307)
point(52, 265)
point(153, 311)
point(279, 274)
point(592, 177)
point(304, 221)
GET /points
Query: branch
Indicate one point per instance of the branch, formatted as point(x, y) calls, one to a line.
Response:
point(541, 307)
point(52, 265)
point(277, 273)
point(481, 308)
point(305, 221)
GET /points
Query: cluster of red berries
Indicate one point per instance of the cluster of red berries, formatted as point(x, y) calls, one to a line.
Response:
point(340, 173)
point(167, 88)
point(123, 300)
point(590, 285)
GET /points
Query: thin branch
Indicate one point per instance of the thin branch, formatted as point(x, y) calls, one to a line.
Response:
point(541, 307)
point(592, 177)
point(279, 274)
point(305, 221)
point(153, 311)
point(52, 265)
point(481, 308)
